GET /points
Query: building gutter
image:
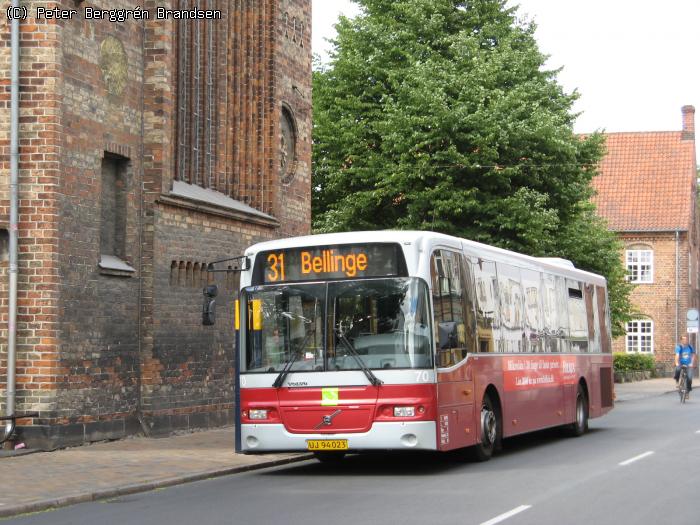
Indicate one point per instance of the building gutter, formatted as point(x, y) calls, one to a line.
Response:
point(14, 222)
point(656, 230)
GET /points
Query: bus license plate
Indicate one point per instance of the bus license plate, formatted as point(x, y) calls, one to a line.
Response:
point(327, 444)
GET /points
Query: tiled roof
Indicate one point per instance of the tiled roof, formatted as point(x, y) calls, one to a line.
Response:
point(647, 182)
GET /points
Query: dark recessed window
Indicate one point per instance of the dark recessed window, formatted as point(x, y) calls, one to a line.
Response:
point(4, 244)
point(113, 212)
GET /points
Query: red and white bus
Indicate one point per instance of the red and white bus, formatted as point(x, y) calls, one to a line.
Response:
point(408, 340)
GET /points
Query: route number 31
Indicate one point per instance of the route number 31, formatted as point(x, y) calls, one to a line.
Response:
point(275, 263)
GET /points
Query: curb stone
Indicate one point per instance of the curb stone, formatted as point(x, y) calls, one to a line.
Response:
point(145, 486)
point(641, 395)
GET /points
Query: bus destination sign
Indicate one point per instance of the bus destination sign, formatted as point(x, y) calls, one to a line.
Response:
point(345, 261)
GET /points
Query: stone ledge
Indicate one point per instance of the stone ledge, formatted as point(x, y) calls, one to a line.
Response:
point(204, 200)
point(632, 376)
point(52, 437)
point(112, 265)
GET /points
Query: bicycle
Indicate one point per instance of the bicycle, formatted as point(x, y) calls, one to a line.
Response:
point(683, 383)
point(10, 432)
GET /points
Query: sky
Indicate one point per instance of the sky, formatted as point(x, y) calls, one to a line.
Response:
point(635, 63)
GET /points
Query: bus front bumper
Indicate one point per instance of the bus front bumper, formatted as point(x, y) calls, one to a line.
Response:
point(418, 435)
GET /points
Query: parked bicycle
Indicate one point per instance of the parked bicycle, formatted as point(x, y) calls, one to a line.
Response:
point(10, 431)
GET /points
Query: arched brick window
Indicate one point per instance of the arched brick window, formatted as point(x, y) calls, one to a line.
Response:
point(173, 273)
point(226, 116)
point(201, 55)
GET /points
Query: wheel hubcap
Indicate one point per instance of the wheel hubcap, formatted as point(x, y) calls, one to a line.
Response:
point(488, 425)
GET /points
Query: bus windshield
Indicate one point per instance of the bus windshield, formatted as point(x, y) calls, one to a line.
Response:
point(332, 326)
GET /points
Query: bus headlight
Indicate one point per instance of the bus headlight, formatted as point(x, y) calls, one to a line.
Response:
point(257, 414)
point(404, 411)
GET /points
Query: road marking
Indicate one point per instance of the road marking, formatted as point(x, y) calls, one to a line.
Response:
point(506, 515)
point(635, 458)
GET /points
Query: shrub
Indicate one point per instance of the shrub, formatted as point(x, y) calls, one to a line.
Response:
point(630, 362)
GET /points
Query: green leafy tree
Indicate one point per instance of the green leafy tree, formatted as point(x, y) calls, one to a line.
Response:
point(440, 115)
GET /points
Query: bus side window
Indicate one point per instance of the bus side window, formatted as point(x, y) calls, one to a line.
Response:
point(605, 343)
point(551, 324)
point(592, 318)
point(563, 317)
point(449, 308)
point(534, 323)
point(487, 314)
point(512, 314)
point(469, 304)
point(578, 323)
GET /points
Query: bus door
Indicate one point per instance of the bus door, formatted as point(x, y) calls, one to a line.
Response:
point(455, 337)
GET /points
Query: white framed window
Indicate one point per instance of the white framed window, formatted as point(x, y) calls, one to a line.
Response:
point(640, 336)
point(640, 266)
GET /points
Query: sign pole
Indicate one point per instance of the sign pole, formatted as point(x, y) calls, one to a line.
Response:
point(692, 321)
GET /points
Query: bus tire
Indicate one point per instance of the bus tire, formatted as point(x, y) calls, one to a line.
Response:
point(329, 458)
point(489, 430)
point(580, 425)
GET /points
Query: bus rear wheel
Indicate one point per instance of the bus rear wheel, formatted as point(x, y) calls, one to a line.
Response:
point(490, 432)
point(580, 425)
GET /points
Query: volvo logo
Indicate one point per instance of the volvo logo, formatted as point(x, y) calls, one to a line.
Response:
point(327, 420)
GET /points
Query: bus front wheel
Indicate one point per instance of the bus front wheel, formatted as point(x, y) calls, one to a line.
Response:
point(490, 430)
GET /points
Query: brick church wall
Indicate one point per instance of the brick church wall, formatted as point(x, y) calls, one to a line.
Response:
point(105, 352)
point(41, 76)
point(188, 368)
point(101, 109)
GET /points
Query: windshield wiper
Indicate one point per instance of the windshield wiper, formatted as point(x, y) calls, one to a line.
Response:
point(288, 365)
point(351, 349)
point(285, 370)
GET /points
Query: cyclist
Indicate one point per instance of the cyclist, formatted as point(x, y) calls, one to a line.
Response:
point(685, 355)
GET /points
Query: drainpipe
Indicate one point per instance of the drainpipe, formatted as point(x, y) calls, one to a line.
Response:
point(14, 220)
point(677, 286)
point(139, 361)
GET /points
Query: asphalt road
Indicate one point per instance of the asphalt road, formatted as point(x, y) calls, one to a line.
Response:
point(640, 464)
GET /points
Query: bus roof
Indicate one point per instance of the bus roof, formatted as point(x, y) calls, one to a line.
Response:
point(427, 239)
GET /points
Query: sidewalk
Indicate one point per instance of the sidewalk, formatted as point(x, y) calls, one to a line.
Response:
point(64, 477)
point(103, 470)
point(643, 389)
